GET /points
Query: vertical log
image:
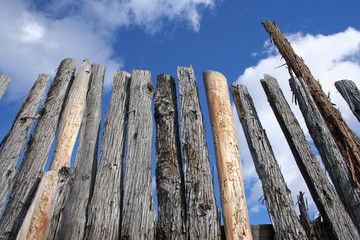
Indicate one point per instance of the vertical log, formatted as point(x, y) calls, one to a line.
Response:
point(232, 191)
point(14, 141)
point(104, 210)
point(305, 218)
point(138, 211)
point(74, 216)
point(344, 137)
point(322, 191)
point(351, 94)
point(277, 195)
point(334, 162)
point(169, 174)
point(4, 83)
point(29, 173)
point(202, 215)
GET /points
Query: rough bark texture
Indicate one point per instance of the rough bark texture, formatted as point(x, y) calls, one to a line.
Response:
point(4, 83)
point(334, 162)
point(14, 141)
point(104, 210)
point(31, 168)
point(322, 191)
point(138, 217)
point(277, 195)
point(169, 173)
point(232, 191)
point(74, 215)
point(351, 94)
point(305, 218)
point(202, 216)
point(345, 139)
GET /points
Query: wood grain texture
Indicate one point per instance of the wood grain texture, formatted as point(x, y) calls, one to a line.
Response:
point(31, 168)
point(138, 216)
point(228, 163)
point(14, 141)
point(170, 188)
point(276, 193)
point(202, 216)
point(351, 94)
point(104, 210)
point(4, 83)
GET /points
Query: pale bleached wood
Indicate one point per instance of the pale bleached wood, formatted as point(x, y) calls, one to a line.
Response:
point(138, 216)
point(31, 168)
point(104, 210)
point(74, 215)
point(276, 193)
point(4, 83)
point(232, 190)
point(170, 188)
point(14, 141)
point(201, 216)
point(351, 94)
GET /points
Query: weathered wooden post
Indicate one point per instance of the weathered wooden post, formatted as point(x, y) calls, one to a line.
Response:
point(104, 209)
point(4, 83)
point(277, 195)
point(169, 174)
point(351, 94)
point(14, 141)
point(322, 191)
point(228, 163)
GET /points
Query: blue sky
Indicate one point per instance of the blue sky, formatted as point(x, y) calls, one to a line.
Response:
point(159, 35)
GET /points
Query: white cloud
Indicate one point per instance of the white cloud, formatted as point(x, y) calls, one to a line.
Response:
point(330, 58)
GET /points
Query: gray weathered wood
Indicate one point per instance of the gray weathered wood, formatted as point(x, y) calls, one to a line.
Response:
point(14, 141)
point(322, 191)
point(74, 215)
point(276, 193)
point(4, 83)
point(305, 218)
point(104, 210)
point(202, 216)
point(170, 188)
point(334, 162)
point(262, 232)
point(351, 94)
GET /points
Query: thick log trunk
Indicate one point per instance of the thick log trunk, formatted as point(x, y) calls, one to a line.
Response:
point(277, 195)
point(74, 215)
point(169, 174)
point(232, 191)
point(14, 141)
point(351, 94)
point(31, 168)
point(344, 137)
point(104, 210)
point(4, 83)
point(334, 162)
point(138, 216)
point(322, 191)
point(202, 216)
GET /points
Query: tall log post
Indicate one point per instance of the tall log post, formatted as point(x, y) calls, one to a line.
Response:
point(14, 141)
point(334, 162)
point(351, 94)
point(31, 168)
point(169, 174)
point(277, 195)
point(202, 215)
point(4, 83)
point(344, 137)
point(228, 163)
point(74, 215)
point(104, 209)
point(138, 217)
point(42, 209)
point(322, 191)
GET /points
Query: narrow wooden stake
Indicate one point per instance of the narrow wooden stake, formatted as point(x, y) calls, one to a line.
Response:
point(305, 218)
point(228, 163)
point(138, 217)
point(202, 215)
point(170, 186)
point(31, 168)
point(74, 216)
point(104, 209)
point(351, 94)
point(277, 195)
point(4, 83)
point(14, 141)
